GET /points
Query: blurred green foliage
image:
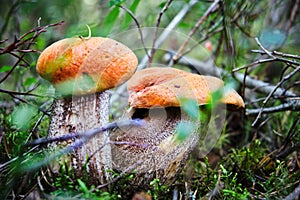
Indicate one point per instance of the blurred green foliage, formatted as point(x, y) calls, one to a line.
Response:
point(243, 172)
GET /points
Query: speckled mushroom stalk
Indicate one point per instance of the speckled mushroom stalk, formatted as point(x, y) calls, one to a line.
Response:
point(82, 72)
point(154, 95)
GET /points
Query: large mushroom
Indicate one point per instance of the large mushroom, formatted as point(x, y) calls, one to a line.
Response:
point(82, 70)
point(155, 94)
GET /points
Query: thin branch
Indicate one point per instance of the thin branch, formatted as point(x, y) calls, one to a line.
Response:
point(275, 55)
point(12, 69)
point(123, 173)
point(138, 26)
point(273, 91)
point(278, 53)
point(205, 37)
point(280, 108)
point(37, 123)
point(18, 57)
point(9, 14)
point(209, 68)
point(196, 27)
point(153, 49)
point(165, 34)
point(293, 15)
point(18, 98)
point(27, 51)
point(291, 133)
point(292, 85)
point(27, 93)
point(176, 20)
point(254, 64)
point(86, 135)
point(17, 43)
point(265, 50)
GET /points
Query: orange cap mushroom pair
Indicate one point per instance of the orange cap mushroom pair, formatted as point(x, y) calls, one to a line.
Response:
point(86, 66)
point(83, 66)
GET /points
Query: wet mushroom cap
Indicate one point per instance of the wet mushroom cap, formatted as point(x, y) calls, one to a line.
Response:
point(164, 87)
point(83, 66)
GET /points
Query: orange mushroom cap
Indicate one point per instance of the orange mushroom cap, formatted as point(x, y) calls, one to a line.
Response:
point(83, 66)
point(164, 87)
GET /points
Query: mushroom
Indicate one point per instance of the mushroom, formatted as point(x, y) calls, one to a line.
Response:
point(82, 70)
point(155, 95)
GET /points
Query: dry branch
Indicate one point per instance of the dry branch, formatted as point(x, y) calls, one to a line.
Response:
point(18, 45)
point(208, 67)
point(81, 137)
point(165, 8)
point(196, 27)
point(172, 25)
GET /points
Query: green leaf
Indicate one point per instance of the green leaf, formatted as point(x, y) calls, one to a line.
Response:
point(110, 21)
point(273, 38)
point(183, 130)
point(30, 81)
point(23, 115)
point(191, 107)
point(83, 187)
point(214, 99)
point(217, 95)
point(115, 2)
point(128, 18)
point(5, 68)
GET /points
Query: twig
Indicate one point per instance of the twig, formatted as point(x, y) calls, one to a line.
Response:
point(216, 191)
point(274, 58)
point(27, 93)
point(292, 85)
point(291, 133)
point(176, 20)
point(209, 68)
point(293, 15)
point(138, 26)
point(37, 123)
point(273, 91)
point(278, 53)
point(19, 42)
point(275, 55)
point(196, 27)
point(129, 169)
point(253, 64)
point(9, 14)
point(281, 107)
point(18, 57)
point(153, 49)
point(18, 98)
point(205, 37)
point(86, 135)
point(265, 50)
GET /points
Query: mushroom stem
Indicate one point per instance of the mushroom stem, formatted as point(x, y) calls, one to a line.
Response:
point(155, 145)
point(78, 114)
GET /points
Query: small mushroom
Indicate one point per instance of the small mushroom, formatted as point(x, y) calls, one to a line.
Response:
point(82, 72)
point(155, 95)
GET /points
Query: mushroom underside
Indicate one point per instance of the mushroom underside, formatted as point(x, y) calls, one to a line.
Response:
point(153, 150)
